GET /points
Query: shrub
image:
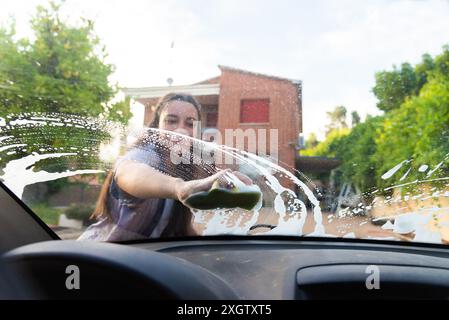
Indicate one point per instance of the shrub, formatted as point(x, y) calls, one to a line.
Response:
point(79, 212)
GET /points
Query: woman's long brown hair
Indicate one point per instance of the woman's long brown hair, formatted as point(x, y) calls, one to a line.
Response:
point(179, 224)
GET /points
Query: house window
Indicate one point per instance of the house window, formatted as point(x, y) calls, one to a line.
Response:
point(254, 111)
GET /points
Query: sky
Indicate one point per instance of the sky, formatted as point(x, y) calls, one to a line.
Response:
point(334, 47)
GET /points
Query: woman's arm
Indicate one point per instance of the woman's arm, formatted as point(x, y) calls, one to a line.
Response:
point(142, 181)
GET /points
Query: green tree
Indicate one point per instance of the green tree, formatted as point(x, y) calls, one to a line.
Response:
point(414, 130)
point(392, 88)
point(357, 152)
point(311, 141)
point(419, 132)
point(329, 147)
point(423, 69)
point(337, 119)
point(356, 149)
point(441, 62)
point(61, 71)
point(355, 118)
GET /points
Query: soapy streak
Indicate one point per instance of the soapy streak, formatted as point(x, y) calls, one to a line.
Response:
point(416, 181)
point(319, 228)
point(16, 175)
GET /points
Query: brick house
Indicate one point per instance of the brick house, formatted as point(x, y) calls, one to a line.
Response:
point(239, 99)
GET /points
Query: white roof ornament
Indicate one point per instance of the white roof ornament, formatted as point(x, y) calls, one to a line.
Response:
point(156, 92)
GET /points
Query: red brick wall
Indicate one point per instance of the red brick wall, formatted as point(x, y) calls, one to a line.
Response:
point(284, 108)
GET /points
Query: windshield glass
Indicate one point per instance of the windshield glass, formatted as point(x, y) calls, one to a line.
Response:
point(136, 120)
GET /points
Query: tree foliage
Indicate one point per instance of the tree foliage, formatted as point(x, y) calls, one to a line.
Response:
point(355, 118)
point(414, 129)
point(63, 69)
point(61, 72)
point(330, 146)
point(311, 141)
point(337, 119)
point(419, 132)
point(356, 148)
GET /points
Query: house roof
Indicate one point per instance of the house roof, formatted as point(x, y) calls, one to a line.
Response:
point(294, 81)
point(210, 80)
point(206, 87)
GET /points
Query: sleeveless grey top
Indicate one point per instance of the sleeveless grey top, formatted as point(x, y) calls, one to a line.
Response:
point(132, 218)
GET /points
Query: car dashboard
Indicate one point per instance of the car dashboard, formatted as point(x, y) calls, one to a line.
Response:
point(235, 268)
point(267, 269)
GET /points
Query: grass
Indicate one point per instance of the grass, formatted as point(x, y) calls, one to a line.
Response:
point(49, 215)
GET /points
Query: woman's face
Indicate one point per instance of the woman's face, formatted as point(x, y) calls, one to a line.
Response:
point(179, 117)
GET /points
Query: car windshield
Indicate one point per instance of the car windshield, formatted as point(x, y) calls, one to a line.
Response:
point(145, 120)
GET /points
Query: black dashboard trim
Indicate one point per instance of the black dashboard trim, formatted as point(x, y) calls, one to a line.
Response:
point(295, 239)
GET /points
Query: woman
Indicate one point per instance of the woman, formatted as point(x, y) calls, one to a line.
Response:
point(143, 196)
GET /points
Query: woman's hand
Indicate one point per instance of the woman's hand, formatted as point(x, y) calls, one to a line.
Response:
point(186, 188)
